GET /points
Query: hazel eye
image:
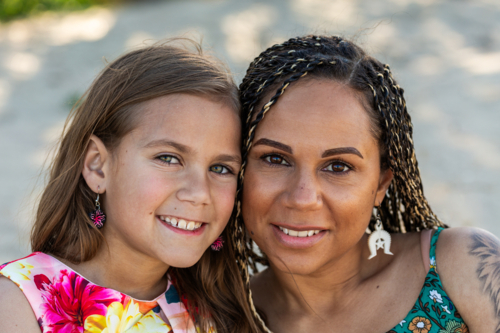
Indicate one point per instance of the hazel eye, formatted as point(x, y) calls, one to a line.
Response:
point(219, 169)
point(275, 159)
point(337, 167)
point(169, 159)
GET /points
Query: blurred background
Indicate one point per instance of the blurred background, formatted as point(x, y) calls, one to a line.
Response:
point(445, 54)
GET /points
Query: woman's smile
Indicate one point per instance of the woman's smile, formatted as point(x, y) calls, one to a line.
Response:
point(298, 237)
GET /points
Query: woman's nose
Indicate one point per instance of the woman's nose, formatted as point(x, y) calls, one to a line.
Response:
point(303, 191)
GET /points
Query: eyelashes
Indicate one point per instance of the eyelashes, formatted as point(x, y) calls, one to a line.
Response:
point(219, 169)
point(336, 166)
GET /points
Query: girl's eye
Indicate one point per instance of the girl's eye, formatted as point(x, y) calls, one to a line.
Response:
point(337, 167)
point(219, 169)
point(275, 159)
point(169, 159)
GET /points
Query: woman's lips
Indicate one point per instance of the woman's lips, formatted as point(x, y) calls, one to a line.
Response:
point(298, 237)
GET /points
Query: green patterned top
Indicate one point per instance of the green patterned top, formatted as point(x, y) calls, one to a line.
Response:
point(433, 312)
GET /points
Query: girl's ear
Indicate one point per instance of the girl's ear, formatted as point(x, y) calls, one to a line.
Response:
point(96, 165)
point(386, 177)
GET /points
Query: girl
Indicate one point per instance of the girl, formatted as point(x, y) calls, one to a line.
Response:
point(344, 149)
point(142, 185)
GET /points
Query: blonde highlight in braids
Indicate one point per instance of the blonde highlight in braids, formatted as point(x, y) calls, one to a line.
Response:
point(405, 207)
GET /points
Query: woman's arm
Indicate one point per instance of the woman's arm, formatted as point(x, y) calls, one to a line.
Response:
point(468, 261)
point(16, 315)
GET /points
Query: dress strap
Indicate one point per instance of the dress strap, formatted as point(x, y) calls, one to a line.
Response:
point(432, 252)
point(425, 247)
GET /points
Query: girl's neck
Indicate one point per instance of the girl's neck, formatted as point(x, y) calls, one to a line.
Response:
point(118, 266)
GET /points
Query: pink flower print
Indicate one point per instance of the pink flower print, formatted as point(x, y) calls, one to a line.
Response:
point(70, 299)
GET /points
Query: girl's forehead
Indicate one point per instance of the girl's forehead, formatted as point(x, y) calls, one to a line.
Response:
point(188, 118)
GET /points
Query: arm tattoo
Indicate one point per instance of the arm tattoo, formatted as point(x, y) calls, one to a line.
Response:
point(487, 249)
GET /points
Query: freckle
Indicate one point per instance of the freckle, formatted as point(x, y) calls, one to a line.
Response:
point(151, 213)
point(378, 286)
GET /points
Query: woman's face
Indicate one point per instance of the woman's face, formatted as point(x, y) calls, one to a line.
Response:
point(313, 177)
point(171, 183)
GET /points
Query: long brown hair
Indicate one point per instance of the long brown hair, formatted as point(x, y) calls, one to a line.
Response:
point(405, 207)
point(110, 109)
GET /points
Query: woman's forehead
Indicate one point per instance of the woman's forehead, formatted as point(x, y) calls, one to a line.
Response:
point(321, 111)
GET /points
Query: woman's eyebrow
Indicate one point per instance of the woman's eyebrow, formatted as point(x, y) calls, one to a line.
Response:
point(275, 144)
point(342, 150)
point(163, 142)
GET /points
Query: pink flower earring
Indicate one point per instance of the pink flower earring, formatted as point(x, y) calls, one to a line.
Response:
point(218, 244)
point(97, 216)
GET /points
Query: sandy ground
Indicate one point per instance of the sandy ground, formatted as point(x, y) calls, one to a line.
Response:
point(446, 54)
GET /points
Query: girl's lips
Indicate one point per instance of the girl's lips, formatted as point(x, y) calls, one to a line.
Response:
point(297, 242)
point(195, 232)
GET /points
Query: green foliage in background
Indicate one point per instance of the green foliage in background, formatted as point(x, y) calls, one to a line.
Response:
point(10, 9)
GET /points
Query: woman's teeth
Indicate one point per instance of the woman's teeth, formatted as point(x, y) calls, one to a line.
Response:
point(180, 223)
point(295, 233)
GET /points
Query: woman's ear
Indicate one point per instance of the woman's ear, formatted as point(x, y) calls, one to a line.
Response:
point(386, 177)
point(96, 165)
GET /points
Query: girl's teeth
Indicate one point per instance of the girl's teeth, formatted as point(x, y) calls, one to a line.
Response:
point(305, 233)
point(181, 223)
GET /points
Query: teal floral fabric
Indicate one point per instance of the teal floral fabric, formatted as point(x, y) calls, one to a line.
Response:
point(434, 312)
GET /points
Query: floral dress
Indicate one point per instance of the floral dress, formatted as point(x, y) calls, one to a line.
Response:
point(65, 302)
point(434, 311)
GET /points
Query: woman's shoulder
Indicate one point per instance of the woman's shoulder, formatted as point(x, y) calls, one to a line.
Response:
point(468, 263)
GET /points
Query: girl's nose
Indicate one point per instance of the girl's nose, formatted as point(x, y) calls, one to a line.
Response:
point(195, 189)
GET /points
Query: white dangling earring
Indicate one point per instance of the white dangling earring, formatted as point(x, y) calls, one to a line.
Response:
point(379, 238)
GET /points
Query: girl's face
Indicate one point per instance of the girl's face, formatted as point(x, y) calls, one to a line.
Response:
point(312, 178)
point(170, 184)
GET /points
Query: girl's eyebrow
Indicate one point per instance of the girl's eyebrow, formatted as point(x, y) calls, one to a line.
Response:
point(163, 142)
point(229, 158)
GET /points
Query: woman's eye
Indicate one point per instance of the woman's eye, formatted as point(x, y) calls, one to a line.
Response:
point(275, 159)
point(219, 169)
point(337, 167)
point(169, 159)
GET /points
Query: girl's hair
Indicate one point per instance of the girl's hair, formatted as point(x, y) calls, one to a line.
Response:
point(405, 207)
point(110, 109)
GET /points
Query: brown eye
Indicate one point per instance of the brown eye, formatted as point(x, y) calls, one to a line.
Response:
point(337, 167)
point(275, 159)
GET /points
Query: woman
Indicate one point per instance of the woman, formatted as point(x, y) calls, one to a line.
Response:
point(127, 233)
point(328, 153)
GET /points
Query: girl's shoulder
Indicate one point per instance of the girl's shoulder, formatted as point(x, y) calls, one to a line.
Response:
point(16, 314)
point(468, 262)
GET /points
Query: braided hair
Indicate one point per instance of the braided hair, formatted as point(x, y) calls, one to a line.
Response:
point(405, 207)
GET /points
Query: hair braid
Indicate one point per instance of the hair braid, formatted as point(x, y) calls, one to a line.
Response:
point(404, 207)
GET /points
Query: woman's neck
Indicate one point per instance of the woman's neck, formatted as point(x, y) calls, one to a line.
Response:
point(124, 269)
point(327, 288)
